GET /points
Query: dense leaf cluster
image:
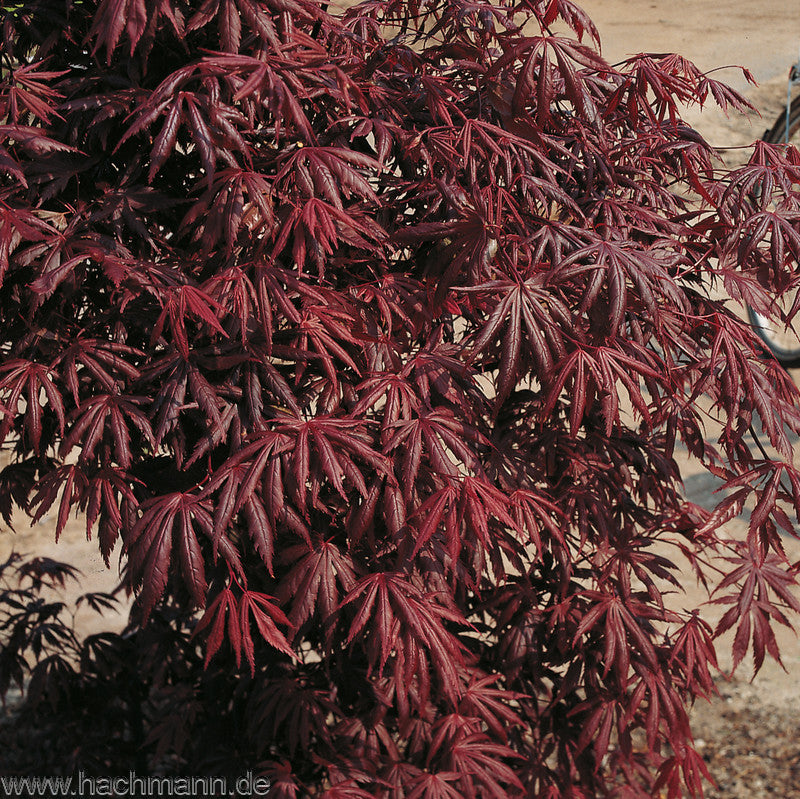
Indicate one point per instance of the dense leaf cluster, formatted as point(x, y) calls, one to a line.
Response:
point(371, 336)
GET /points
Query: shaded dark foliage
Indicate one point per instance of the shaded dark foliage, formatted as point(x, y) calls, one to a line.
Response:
point(371, 337)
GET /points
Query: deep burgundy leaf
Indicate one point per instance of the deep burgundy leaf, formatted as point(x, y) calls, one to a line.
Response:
point(372, 340)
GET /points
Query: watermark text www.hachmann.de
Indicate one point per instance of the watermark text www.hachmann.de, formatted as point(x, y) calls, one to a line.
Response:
point(134, 786)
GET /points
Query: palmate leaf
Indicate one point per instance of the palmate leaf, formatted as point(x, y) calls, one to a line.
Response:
point(287, 708)
point(441, 785)
point(480, 761)
point(229, 617)
point(169, 522)
point(327, 331)
point(331, 173)
point(597, 373)
point(106, 494)
point(262, 83)
point(764, 182)
point(283, 782)
point(67, 483)
point(253, 482)
point(266, 616)
point(763, 581)
point(109, 415)
point(187, 302)
point(688, 768)
point(17, 224)
point(554, 54)
point(615, 263)
point(402, 614)
point(27, 92)
point(32, 141)
point(168, 401)
point(457, 746)
point(99, 496)
point(324, 450)
point(16, 483)
point(527, 329)
point(467, 511)
point(694, 650)
point(20, 378)
point(214, 129)
point(132, 17)
point(623, 632)
point(256, 15)
point(237, 200)
point(317, 581)
point(109, 363)
point(492, 705)
point(318, 227)
point(394, 393)
point(440, 437)
point(535, 513)
point(667, 80)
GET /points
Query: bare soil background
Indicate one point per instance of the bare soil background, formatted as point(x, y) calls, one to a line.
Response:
point(750, 733)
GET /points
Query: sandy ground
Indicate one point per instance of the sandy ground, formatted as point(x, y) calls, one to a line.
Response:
point(750, 735)
point(762, 36)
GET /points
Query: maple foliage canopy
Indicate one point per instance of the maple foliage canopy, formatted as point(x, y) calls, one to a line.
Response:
point(370, 336)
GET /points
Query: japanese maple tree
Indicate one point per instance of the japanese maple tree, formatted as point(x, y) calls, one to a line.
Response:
point(369, 336)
